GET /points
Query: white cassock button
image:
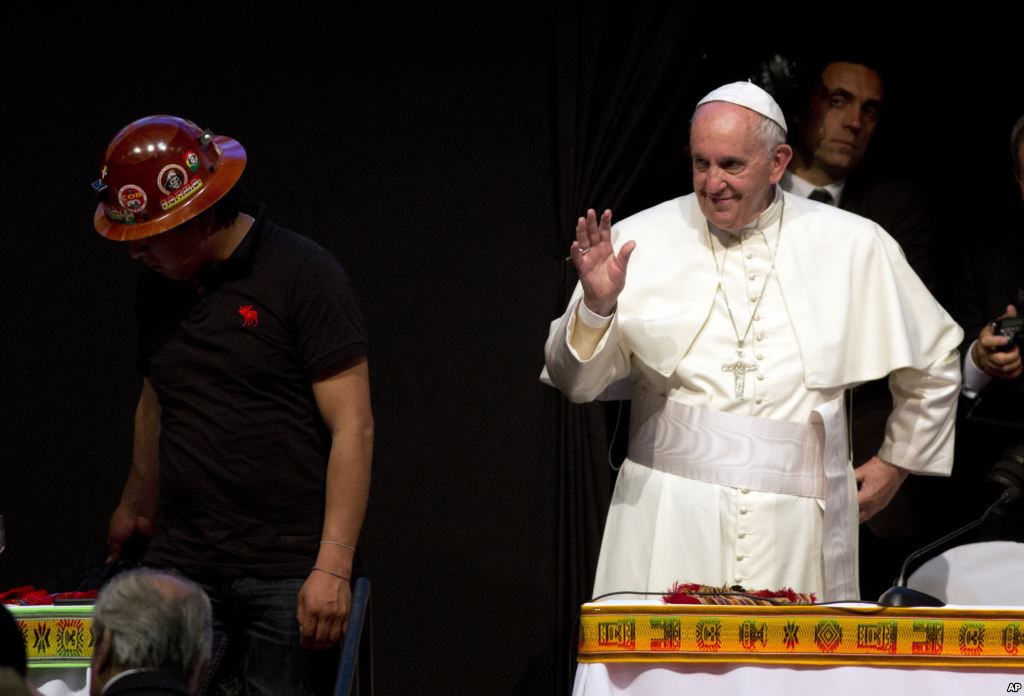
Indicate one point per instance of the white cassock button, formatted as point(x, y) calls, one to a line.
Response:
point(760, 376)
point(740, 557)
point(744, 491)
point(751, 276)
point(753, 298)
point(760, 356)
point(759, 400)
point(742, 535)
point(757, 317)
point(744, 510)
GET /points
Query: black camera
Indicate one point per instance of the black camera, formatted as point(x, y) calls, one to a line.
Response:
point(1011, 327)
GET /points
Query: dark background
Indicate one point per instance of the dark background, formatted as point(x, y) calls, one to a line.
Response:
point(441, 153)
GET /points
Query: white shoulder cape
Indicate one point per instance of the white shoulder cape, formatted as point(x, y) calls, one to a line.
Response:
point(857, 308)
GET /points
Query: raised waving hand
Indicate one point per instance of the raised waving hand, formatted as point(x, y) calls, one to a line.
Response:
point(602, 272)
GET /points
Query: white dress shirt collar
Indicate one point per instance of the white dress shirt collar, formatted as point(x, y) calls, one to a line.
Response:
point(803, 188)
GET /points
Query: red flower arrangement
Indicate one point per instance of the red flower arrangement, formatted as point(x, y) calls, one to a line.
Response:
point(34, 596)
point(693, 593)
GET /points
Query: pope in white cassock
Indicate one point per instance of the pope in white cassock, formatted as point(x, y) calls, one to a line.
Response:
point(744, 315)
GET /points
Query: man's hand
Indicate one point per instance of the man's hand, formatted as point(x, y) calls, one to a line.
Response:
point(602, 273)
point(125, 524)
point(322, 613)
point(136, 510)
point(877, 483)
point(994, 362)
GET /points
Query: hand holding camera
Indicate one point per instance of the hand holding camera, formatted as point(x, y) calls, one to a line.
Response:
point(1010, 327)
point(997, 350)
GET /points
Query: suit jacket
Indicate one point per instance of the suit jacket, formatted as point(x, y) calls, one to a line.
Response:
point(900, 209)
point(991, 277)
point(147, 683)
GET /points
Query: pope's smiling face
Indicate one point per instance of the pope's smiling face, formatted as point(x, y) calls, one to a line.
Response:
point(733, 170)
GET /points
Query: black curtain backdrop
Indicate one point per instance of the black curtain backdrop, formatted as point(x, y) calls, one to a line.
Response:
point(620, 75)
point(442, 153)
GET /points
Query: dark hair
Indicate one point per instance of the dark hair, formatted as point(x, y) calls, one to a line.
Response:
point(792, 79)
point(12, 645)
point(227, 208)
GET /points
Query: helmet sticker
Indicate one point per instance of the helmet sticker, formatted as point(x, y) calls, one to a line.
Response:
point(119, 215)
point(171, 178)
point(132, 197)
point(192, 160)
point(181, 194)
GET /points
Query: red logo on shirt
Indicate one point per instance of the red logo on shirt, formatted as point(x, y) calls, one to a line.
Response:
point(249, 315)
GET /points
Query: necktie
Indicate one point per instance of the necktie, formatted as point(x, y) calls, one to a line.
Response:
point(822, 196)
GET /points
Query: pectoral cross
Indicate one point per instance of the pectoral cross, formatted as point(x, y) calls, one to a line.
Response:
point(739, 370)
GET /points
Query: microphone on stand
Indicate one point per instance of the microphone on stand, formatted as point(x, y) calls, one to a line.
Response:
point(1008, 475)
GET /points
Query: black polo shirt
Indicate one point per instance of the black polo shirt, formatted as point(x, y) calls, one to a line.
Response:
point(243, 449)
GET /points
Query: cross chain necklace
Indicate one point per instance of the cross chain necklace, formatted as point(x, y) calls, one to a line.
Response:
point(739, 368)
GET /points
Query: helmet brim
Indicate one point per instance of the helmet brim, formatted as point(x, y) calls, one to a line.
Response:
point(229, 169)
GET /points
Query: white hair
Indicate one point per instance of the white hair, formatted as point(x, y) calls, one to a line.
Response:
point(769, 133)
point(157, 620)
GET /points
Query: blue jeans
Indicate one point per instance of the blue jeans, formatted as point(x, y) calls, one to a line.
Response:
point(256, 642)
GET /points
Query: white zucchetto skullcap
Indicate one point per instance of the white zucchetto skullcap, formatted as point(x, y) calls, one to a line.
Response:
point(748, 95)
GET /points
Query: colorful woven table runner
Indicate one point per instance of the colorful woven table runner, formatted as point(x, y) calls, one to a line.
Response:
point(818, 635)
point(56, 636)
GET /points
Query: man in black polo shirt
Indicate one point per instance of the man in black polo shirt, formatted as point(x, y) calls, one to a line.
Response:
point(253, 432)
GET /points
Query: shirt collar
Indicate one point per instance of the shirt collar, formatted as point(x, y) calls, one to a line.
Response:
point(799, 186)
point(241, 258)
point(122, 675)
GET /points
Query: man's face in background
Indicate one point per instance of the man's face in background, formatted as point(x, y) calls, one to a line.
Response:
point(841, 118)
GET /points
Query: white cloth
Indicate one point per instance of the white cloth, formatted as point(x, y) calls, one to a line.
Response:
point(633, 679)
point(842, 306)
point(982, 573)
point(753, 461)
point(60, 681)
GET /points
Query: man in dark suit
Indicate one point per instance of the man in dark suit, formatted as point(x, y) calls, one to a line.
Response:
point(990, 286)
point(835, 114)
point(835, 109)
point(152, 635)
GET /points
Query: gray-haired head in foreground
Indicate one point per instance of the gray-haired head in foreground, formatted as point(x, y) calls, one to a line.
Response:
point(157, 620)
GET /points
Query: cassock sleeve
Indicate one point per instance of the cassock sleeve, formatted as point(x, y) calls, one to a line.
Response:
point(583, 380)
point(919, 432)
